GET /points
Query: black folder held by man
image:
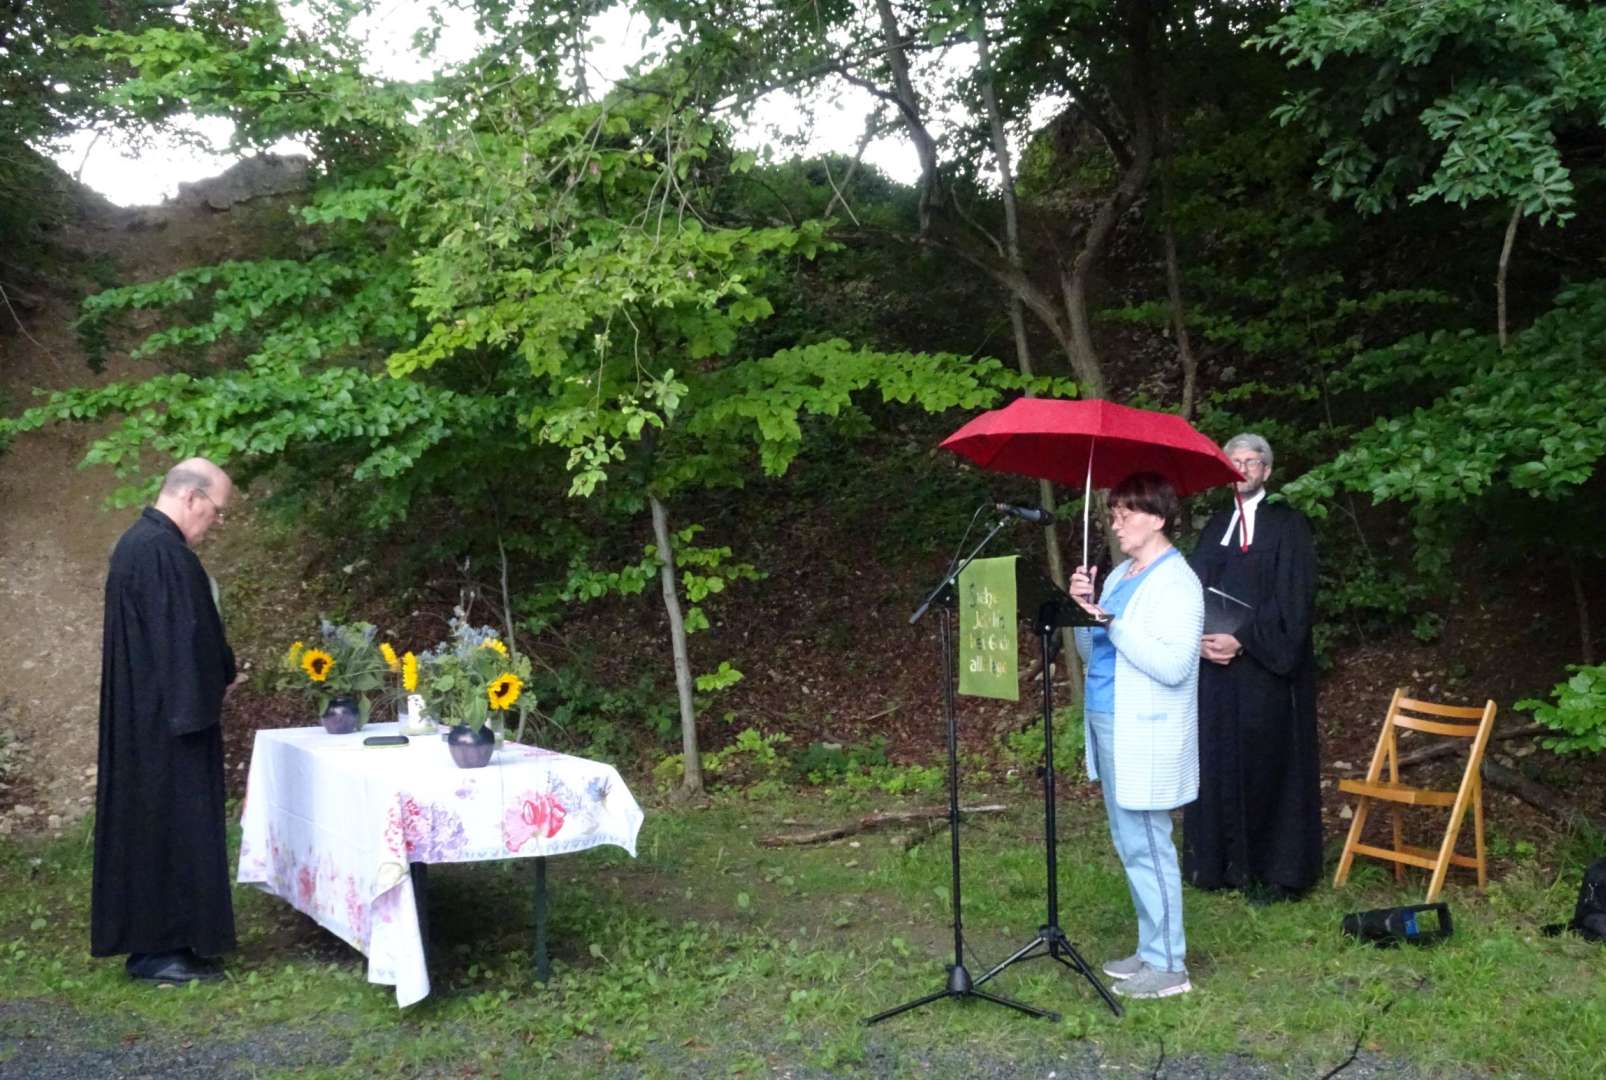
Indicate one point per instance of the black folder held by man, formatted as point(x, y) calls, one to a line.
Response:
point(1224, 612)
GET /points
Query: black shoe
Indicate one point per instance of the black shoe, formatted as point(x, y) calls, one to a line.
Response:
point(1266, 893)
point(175, 966)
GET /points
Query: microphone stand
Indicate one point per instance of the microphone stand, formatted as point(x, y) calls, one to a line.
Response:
point(959, 985)
point(1050, 939)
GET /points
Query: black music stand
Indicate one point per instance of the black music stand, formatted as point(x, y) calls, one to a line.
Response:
point(1050, 941)
point(960, 985)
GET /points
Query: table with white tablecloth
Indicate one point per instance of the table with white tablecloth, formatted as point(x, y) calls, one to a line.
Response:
point(333, 826)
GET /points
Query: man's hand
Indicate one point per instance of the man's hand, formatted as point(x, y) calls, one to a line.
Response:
point(1219, 648)
point(238, 679)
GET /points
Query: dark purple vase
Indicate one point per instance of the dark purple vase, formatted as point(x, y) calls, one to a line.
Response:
point(471, 747)
point(341, 717)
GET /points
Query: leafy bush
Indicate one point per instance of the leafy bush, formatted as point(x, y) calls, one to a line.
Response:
point(896, 780)
point(1578, 712)
point(1025, 747)
point(823, 763)
point(751, 763)
point(751, 759)
point(598, 721)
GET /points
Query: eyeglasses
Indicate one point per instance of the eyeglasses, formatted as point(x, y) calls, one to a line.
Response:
point(217, 511)
point(1121, 515)
point(1244, 464)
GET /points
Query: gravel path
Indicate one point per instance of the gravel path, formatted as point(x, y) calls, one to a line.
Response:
point(44, 1040)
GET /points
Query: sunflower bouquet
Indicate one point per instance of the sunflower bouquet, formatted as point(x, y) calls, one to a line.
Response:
point(473, 679)
point(346, 661)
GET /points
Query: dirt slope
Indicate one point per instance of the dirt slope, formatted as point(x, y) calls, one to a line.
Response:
point(55, 533)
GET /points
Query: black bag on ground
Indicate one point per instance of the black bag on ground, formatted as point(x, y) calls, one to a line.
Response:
point(1589, 917)
point(1589, 914)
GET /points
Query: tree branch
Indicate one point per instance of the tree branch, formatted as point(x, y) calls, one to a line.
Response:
point(871, 822)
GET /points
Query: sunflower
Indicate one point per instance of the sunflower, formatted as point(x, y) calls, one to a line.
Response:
point(409, 668)
point(504, 691)
point(317, 664)
point(390, 656)
point(293, 654)
point(497, 646)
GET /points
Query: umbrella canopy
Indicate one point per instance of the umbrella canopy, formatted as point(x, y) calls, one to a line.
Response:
point(1077, 442)
point(1094, 443)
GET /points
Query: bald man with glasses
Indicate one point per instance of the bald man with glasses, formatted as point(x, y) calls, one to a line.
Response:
point(161, 888)
point(1256, 825)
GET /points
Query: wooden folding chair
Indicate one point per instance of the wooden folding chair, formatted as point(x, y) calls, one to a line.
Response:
point(1374, 788)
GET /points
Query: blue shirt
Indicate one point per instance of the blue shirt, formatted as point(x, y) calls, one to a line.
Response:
point(1101, 657)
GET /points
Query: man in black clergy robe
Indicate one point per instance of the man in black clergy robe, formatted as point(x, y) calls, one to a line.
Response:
point(1257, 824)
point(161, 880)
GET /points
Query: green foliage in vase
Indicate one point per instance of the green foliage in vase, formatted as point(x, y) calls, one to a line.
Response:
point(345, 660)
point(473, 678)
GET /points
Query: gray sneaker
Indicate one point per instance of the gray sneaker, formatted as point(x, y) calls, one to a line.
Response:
point(1123, 969)
point(1153, 983)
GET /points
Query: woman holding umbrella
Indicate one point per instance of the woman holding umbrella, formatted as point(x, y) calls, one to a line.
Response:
point(1142, 719)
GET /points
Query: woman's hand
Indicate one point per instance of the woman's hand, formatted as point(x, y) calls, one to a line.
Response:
point(1081, 588)
point(1094, 610)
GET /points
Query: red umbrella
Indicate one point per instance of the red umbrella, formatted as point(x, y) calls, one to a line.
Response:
point(1094, 443)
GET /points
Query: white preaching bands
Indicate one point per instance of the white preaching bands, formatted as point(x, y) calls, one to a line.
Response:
point(1250, 505)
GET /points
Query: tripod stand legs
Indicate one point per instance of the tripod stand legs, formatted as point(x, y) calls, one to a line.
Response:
point(959, 982)
point(960, 986)
point(1050, 938)
point(1056, 946)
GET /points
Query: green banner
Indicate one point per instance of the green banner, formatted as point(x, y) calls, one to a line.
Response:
point(988, 658)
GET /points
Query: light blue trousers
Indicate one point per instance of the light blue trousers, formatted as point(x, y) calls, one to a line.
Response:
point(1143, 843)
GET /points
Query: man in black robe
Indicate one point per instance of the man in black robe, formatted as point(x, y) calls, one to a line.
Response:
point(1257, 823)
point(161, 881)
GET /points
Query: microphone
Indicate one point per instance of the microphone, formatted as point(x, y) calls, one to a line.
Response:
point(1035, 515)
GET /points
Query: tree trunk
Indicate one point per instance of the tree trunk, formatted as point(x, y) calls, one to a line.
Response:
point(1076, 279)
point(1500, 277)
point(1586, 635)
point(692, 760)
point(908, 108)
point(1179, 325)
point(1017, 317)
point(1173, 272)
point(1083, 353)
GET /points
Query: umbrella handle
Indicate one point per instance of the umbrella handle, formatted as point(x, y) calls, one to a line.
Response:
point(1087, 499)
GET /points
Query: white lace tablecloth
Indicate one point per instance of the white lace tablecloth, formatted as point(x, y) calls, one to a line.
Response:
point(331, 826)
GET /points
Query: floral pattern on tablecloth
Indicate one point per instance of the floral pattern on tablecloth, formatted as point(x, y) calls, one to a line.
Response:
point(533, 814)
point(424, 832)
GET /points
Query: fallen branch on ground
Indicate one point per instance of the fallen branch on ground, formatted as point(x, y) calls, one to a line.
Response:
point(920, 835)
point(871, 822)
point(1537, 794)
point(1430, 753)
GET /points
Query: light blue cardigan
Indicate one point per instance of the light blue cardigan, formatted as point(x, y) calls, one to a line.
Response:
point(1156, 687)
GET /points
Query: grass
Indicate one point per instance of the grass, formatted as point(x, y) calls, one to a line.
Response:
point(712, 955)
